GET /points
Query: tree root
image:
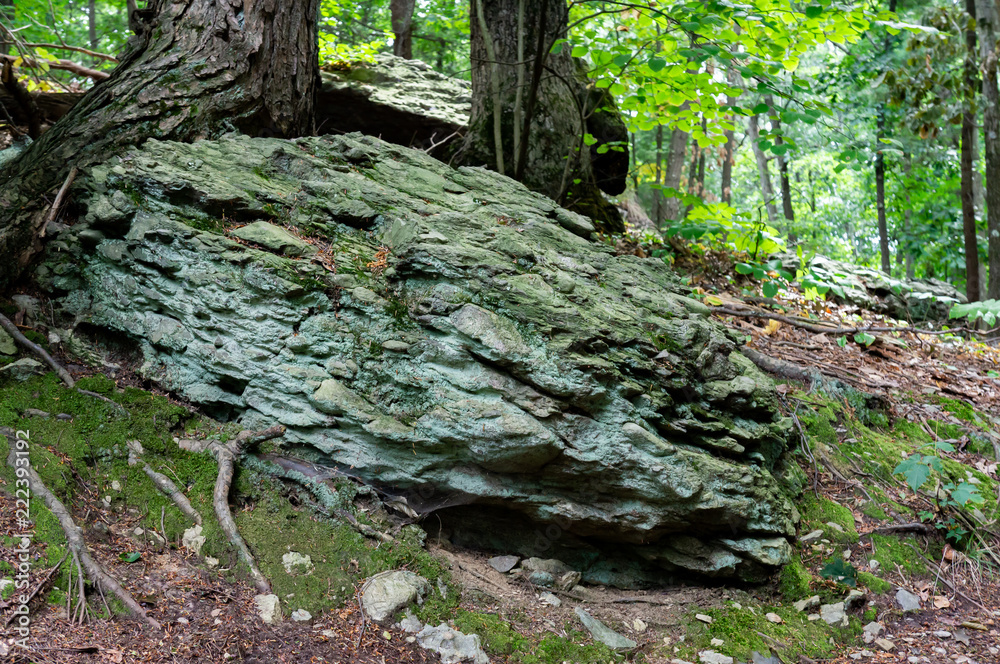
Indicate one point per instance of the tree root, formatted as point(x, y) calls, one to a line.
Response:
point(164, 484)
point(12, 330)
point(41, 584)
point(781, 368)
point(74, 536)
point(328, 501)
point(225, 455)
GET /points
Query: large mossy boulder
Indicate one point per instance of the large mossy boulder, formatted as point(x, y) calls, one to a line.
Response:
point(452, 338)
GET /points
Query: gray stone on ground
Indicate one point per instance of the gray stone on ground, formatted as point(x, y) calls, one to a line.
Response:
point(503, 564)
point(907, 601)
point(453, 646)
point(410, 623)
point(296, 563)
point(807, 603)
point(550, 599)
point(603, 633)
point(885, 644)
point(384, 594)
point(268, 608)
point(193, 540)
point(23, 369)
point(871, 631)
point(555, 568)
point(301, 615)
point(757, 658)
point(855, 596)
point(7, 344)
point(816, 534)
point(834, 614)
point(274, 238)
point(712, 657)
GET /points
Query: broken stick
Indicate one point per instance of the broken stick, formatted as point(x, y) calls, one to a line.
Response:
point(12, 330)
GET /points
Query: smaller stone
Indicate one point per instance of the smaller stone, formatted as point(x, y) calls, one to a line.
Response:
point(503, 564)
point(23, 369)
point(717, 643)
point(775, 618)
point(836, 526)
point(296, 563)
point(268, 608)
point(568, 580)
point(362, 294)
point(107, 501)
point(942, 634)
point(395, 346)
point(301, 615)
point(7, 344)
point(712, 657)
point(834, 614)
point(329, 633)
point(541, 579)
point(138, 532)
point(871, 631)
point(211, 562)
point(907, 601)
point(816, 534)
point(116, 485)
point(639, 626)
point(812, 617)
point(410, 623)
point(216, 613)
point(703, 618)
point(873, 565)
point(550, 599)
point(854, 597)
point(807, 603)
point(603, 633)
point(183, 621)
point(885, 644)
point(193, 540)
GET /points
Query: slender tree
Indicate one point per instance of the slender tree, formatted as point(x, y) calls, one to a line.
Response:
point(401, 12)
point(986, 30)
point(972, 288)
point(766, 191)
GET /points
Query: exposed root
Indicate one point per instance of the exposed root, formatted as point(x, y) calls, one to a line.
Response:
point(225, 455)
point(40, 585)
point(17, 459)
point(326, 497)
point(12, 330)
point(164, 484)
point(60, 197)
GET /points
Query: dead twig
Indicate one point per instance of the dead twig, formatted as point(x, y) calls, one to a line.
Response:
point(60, 197)
point(41, 584)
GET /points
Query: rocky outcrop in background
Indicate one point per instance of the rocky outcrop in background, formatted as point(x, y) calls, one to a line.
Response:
point(446, 335)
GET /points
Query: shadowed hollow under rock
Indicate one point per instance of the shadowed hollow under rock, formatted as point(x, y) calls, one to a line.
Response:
point(550, 396)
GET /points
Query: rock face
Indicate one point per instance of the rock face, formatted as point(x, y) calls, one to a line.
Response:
point(454, 338)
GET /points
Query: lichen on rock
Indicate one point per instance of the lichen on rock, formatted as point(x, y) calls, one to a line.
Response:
point(499, 367)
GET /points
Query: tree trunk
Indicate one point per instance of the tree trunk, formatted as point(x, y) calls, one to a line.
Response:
point(531, 108)
point(991, 135)
point(657, 193)
point(883, 231)
point(92, 25)
point(672, 176)
point(196, 69)
point(968, 139)
point(402, 27)
point(786, 186)
point(753, 133)
point(7, 19)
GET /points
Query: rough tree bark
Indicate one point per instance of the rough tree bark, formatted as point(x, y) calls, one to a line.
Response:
point(785, 184)
point(532, 107)
point(401, 12)
point(991, 136)
point(883, 228)
point(968, 140)
point(195, 69)
point(672, 174)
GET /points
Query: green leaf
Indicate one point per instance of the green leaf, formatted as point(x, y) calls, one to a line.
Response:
point(130, 557)
point(840, 571)
point(761, 108)
point(812, 11)
point(864, 339)
point(656, 64)
point(744, 268)
point(914, 470)
point(842, 342)
point(966, 492)
point(770, 289)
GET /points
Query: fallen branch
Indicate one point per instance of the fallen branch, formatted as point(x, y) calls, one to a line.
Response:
point(65, 65)
point(922, 528)
point(164, 484)
point(23, 99)
point(60, 197)
point(74, 536)
point(781, 368)
point(225, 455)
point(12, 330)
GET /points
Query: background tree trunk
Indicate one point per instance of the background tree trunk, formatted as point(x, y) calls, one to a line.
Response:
point(672, 175)
point(196, 70)
point(7, 18)
point(883, 230)
point(657, 193)
point(766, 191)
point(785, 184)
point(991, 136)
point(92, 25)
point(530, 109)
point(402, 27)
point(968, 140)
